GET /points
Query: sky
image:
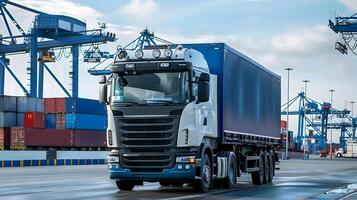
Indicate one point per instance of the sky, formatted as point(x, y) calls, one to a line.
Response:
point(276, 33)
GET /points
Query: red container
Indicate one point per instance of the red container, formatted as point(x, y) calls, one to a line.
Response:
point(31, 137)
point(4, 138)
point(34, 120)
point(282, 124)
point(50, 105)
point(60, 121)
point(84, 138)
point(60, 105)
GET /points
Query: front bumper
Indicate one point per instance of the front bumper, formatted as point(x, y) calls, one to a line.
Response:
point(176, 173)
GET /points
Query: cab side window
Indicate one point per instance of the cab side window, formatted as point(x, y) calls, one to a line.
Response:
point(195, 77)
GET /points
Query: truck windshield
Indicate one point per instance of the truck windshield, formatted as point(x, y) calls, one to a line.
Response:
point(153, 88)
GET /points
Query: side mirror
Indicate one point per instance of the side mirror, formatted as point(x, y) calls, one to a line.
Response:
point(102, 79)
point(203, 88)
point(103, 93)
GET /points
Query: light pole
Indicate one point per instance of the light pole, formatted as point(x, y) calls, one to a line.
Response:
point(287, 115)
point(305, 127)
point(332, 91)
point(352, 125)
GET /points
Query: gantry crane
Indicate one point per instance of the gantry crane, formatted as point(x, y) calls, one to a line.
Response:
point(346, 27)
point(318, 116)
point(146, 39)
point(48, 34)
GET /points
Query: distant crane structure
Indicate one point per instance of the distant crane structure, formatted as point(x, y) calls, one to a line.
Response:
point(346, 27)
point(50, 38)
point(146, 39)
point(317, 116)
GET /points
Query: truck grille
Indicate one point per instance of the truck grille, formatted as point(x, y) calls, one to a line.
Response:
point(147, 143)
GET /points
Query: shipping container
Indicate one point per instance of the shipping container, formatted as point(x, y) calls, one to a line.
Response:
point(49, 105)
point(84, 106)
point(29, 104)
point(7, 104)
point(60, 105)
point(50, 120)
point(32, 137)
point(34, 120)
point(249, 96)
point(4, 138)
point(60, 121)
point(7, 119)
point(20, 119)
point(86, 122)
point(86, 138)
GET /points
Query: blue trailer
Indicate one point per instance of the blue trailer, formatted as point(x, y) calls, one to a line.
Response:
point(191, 113)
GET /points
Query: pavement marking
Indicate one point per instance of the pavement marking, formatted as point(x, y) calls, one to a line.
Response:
point(348, 196)
point(185, 197)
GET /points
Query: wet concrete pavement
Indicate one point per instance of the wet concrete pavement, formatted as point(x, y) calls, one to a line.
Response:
point(296, 179)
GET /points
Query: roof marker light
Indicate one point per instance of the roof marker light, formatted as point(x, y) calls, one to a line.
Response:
point(139, 53)
point(168, 52)
point(156, 53)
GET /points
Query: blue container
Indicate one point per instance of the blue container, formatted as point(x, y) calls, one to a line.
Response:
point(29, 104)
point(7, 104)
point(248, 93)
point(39, 105)
point(20, 118)
point(86, 122)
point(50, 120)
point(85, 106)
point(7, 119)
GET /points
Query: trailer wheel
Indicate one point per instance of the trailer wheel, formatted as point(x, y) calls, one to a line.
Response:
point(231, 178)
point(204, 183)
point(258, 176)
point(125, 185)
point(271, 168)
point(266, 169)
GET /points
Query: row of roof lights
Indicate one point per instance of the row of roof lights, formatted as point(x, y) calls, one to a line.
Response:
point(156, 53)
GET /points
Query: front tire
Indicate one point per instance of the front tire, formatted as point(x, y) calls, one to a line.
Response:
point(125, 185)
point(339, 155)
point(204, 183)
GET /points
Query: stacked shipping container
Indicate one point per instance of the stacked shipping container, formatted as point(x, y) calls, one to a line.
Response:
point(27, 122)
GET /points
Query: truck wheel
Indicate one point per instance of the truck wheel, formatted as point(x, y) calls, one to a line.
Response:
point(258, 176)
point(339, 155)
point(266, 169)
point(231, 178)
point(271, 168)
point(204, 183)
point(125, 185)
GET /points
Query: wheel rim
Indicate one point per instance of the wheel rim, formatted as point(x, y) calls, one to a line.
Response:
point(206, 173)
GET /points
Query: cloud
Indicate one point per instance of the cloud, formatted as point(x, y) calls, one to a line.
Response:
point(350, 4)
point(139, 9)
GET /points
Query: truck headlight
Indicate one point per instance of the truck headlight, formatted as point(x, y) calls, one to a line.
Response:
point(186, 159)
point(113, 159)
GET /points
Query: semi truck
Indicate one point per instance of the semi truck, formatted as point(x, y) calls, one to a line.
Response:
point(196, 114)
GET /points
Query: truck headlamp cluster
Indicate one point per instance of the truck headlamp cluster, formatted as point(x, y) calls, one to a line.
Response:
point(186, 159)
point(168, 52)
point(156, 53)
point(139, 53)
